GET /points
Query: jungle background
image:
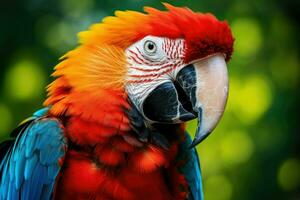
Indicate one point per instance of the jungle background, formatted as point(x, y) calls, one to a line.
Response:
point(252, 154)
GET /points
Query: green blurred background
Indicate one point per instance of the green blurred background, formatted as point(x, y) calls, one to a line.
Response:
point(253, 153)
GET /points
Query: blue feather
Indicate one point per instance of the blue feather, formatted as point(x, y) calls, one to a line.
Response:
point(52, 172)
point(4, 187)
point(29, 169)
point(42, 112)
point(37, 181)
point(29, 166)
point(9, 191)
point(30, 143)
point(47, 192)
point(19, 171)
point(14, 193)
point(47, 155)
point(25, 190)
point(191, 170)
point(11, 170)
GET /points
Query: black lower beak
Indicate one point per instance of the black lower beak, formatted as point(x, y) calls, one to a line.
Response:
point(163, 105)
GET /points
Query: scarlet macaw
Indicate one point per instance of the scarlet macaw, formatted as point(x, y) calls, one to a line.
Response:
point(113, 122)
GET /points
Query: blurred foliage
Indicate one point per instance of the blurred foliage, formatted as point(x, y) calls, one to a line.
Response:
point(252, 154)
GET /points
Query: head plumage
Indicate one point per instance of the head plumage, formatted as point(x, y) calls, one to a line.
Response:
point(99, 62)
point(203, 33)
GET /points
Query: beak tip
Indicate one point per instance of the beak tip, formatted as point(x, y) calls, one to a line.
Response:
point(198, 139)
point(193, 144)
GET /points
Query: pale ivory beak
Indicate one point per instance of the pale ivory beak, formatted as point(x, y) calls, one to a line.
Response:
point(206, 83)
point(200, 90)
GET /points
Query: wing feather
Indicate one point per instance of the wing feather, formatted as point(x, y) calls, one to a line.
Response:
point(29, 167)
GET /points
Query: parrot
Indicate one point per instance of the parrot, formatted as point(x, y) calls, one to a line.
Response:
point(113, 125)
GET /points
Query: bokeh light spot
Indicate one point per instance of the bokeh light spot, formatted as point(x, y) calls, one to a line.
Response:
point(209, 157)
point(60, 37)
point(289, 174)
point(217, 188)
point(208, 151)
point(234, 88)
point(248, 36)
point(236, 147)
point(6, 120)
point(76, 8)
point(250, 99)
point(24, 81)
point(191, 126)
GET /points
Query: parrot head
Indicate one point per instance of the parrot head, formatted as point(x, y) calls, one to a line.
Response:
point(168, 87)
point(178, 72)
point(171, 64)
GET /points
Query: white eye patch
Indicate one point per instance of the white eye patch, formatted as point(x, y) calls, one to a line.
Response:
point(151, 48)
point(152, 61)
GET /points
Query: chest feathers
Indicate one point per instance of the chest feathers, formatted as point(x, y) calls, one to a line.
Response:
point(105, 160)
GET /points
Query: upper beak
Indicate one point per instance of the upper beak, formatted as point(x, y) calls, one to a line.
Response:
point(200, 90)
point(206, 83)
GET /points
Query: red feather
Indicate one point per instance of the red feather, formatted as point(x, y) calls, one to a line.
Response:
point(108, 155)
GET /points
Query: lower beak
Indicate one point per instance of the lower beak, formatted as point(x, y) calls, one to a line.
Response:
point(205, 82)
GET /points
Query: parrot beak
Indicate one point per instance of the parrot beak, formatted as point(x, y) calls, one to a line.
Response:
point(205, 82)
point(199, 90)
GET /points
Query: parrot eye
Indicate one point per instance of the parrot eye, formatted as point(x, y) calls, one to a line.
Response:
point(150, 47)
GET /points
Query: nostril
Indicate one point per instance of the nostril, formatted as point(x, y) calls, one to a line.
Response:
point(183, 98)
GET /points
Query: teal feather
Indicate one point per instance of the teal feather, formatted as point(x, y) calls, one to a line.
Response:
point(30, 166)
point(191, 169)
